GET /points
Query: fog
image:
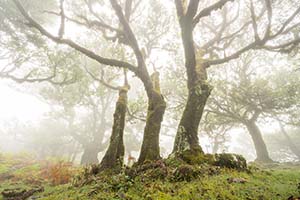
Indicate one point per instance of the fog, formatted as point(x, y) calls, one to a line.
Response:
point(59, 93)
point(149, 99)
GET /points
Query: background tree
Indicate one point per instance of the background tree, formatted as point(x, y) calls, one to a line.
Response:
point(243, 96)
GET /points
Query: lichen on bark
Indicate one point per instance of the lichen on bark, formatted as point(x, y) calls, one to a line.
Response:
point(114, 156)
point(156, 110)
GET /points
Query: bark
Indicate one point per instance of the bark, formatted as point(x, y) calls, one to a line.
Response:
point(114, 156)
point(262, 154)
point(156, 109)
point(187, 133)
point(156, 103)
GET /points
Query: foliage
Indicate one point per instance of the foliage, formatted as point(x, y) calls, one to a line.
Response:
point(25, 171)
point(57, 172)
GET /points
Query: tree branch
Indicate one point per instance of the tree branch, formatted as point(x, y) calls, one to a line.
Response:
point(207, 11)
point(128, 33)
point(61, 31)
point(88, 53)
point(101, 80)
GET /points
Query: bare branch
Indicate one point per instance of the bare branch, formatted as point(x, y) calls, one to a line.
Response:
point(61, 31)
point(49, 79)
point(101, 80)
point(207, 11)
point(179, 8)
point(261, 43)
point(128, 9)
point(192, 9)
point(286, 23)
point(88, 53)
point(254, 23)
point(270, 15)
point(128, 33)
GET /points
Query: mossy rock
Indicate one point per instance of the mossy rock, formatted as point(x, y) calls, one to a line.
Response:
point(195, 157)
point(231, 161)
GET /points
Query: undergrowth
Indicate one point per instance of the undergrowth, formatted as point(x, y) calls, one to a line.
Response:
point(161, 180)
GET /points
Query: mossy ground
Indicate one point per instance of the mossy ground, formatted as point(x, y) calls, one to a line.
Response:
point(276, 182)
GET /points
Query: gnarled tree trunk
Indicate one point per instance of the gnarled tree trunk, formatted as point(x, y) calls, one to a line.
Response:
point(114, 156)
point(187, 133)
point(262, 154)
point(199, 90)
point(156, 109)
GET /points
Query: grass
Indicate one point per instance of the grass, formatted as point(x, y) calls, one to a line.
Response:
point(272, 183)
point(259, 186)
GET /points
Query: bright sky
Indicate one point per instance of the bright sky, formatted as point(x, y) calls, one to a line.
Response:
point(18, 105)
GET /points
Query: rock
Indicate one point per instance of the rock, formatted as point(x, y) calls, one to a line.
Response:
point(232, 161)
point(195, 157)
point(236, 180)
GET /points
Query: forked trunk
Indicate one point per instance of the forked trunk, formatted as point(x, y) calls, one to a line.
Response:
point(262, 154)
point(114, 156)
point(156, 109)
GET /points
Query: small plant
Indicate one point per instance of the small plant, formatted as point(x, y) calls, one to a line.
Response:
point(58, 173)
point(185, 173)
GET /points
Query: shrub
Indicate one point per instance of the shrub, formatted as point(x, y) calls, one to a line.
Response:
point(58, 172)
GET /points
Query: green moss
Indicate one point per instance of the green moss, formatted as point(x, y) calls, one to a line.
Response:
point(180, 182)
point(232, 161)
point(195, 157)
point(4, 168)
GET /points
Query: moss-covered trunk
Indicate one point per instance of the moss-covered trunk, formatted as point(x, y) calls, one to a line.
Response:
point(198, 90)
point(114, 156)
point(262, 154)
point(156, 109)
point(187, 133)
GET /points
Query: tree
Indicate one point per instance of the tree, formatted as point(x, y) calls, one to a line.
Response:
point(83, 105)
point(227, 40)
point(289, 141)
point(242, 96)
point(281, 147)
point(125, 36)
point(114, 155)
point(223, 47)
